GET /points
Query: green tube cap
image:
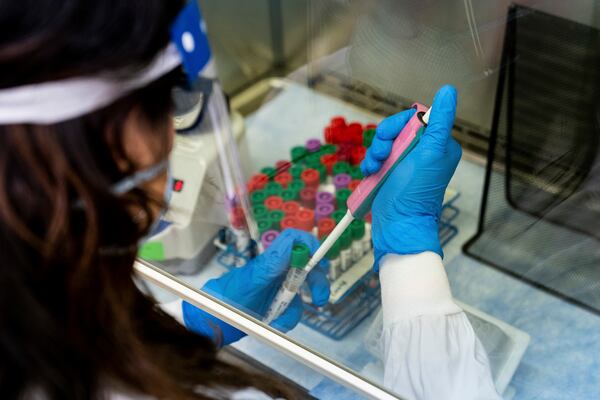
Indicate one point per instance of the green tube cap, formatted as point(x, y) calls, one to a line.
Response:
point(346, 239)
point(357, 227)
point(275, 217)
point(356, 173)
point(273, 189)
point(296, 170)
point(258, 197)
point(341, 196)
point(338, 215)
point(334, 251)
point(298, 153)
point(300, 256)
point(296, 185)
point(328, 149)
point(269, 171)
point(322, 172)
point(341, 167)
point(368, 136)
point(289, 194)
point(264, 225)
point(259, 211)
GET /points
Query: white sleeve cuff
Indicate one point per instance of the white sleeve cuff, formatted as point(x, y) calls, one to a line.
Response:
point(414, 285)
point(174, 309)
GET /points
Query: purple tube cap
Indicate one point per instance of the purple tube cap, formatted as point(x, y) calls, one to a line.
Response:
point(325, 198)
point(313, 145)
point(268, 237)
point(323, 210)
point(341, 181)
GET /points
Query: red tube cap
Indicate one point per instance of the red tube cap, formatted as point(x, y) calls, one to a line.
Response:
point(283, 178)
point(290, 208)
point(310, 177)
point(357, 155)
point(289, 222)
point(282, 165)
point(354, 133)
point(238, 219)
point(306, 219)
point(325, 226)
point(274, 202)
point(257, 182)
point(352, 185)
point(328, 160)
point(307, 197)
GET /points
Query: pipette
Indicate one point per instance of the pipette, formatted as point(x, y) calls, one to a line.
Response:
point(359, 203)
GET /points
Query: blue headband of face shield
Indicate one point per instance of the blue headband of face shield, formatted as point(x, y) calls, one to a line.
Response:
point(188, 34)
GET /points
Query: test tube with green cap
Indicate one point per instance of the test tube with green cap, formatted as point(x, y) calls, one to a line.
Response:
point(346, 250)
point(312, 160)
point(289, 194)
point(292, 284)
point(275, 216)
point(264, 225)
point(328, 149)
point(341, 196)
point(273, 189)
point(322, 172)
point(356, 173)
point(340, 167)
point(296, 185)
point(258, 197)
point(338, 215)
point(333, 255)
point(269, 171)
point(357, 227)
point(259, 211)
point(298, 153)
point(368, 136)
point(296, 170)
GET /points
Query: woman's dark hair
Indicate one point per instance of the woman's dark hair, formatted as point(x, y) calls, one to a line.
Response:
point(73, 324)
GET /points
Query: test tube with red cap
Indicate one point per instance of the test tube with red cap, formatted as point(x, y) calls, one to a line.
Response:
point(311, 177)
point(305, 219)
point(308, 197)
point(283, 178)
point(239, 228)
point(290, 208)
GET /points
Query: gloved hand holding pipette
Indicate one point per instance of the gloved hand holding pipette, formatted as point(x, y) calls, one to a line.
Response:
point(396, 137)
point(253, 287)
point(406, 211)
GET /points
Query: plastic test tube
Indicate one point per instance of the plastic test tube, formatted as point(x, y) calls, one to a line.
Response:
point(357, 227)
point(346, 249)
point(293, 282)
point(239, 229)
point(333, 255)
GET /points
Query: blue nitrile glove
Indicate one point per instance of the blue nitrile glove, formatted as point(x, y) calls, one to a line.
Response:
point(406, 211)
point(252, 287)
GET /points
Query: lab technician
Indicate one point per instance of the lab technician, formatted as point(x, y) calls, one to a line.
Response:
point(85, 134)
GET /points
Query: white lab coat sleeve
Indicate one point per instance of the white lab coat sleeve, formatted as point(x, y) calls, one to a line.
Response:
point(430, 348)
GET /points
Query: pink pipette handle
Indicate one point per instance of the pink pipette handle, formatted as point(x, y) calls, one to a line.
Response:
point(360, 200)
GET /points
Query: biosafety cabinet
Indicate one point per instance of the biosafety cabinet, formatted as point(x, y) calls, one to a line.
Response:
point(306, 84)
